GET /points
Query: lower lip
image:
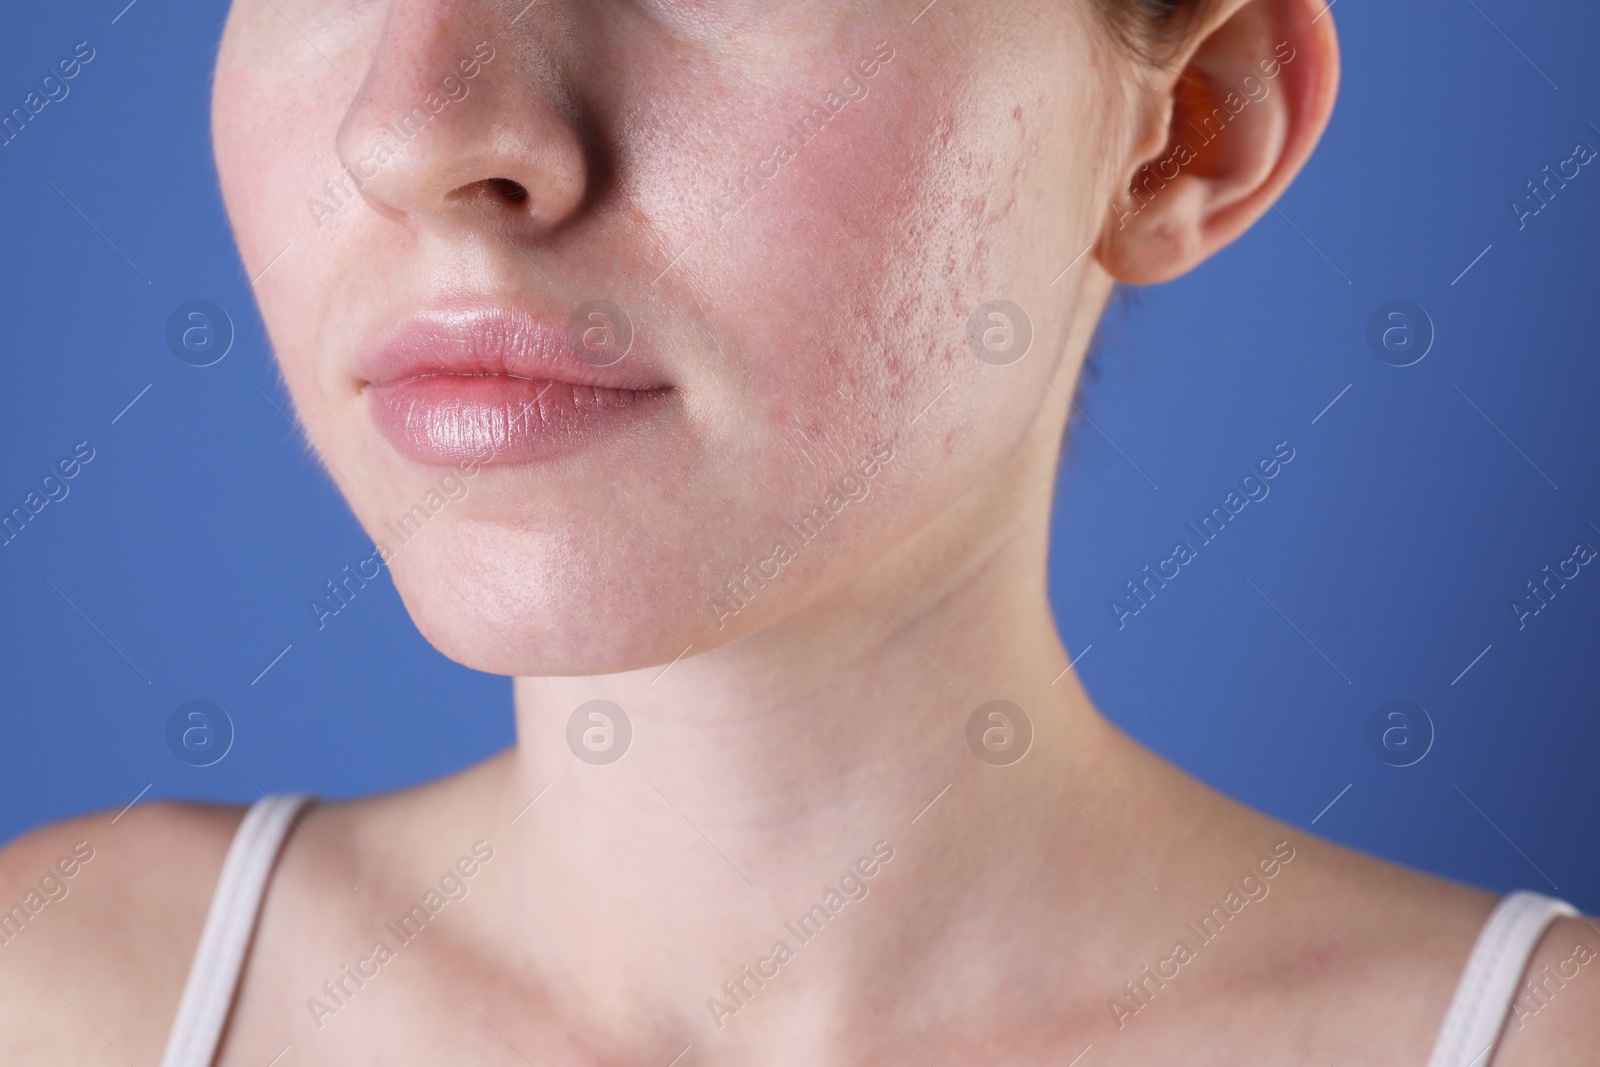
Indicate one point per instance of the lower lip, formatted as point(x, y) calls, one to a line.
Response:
point(495, 418)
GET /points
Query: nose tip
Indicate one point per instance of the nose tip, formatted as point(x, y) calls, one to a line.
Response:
point(445, 134)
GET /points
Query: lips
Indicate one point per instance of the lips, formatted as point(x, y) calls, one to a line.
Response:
point(502, 386)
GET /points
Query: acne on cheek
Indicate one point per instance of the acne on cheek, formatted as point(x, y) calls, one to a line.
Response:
point(859, 225)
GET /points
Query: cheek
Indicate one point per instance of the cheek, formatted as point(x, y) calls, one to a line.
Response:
point(272, 125)
point(275, 115)
point(846, 280)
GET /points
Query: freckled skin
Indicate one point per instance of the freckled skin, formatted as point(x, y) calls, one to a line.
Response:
point(832, 305)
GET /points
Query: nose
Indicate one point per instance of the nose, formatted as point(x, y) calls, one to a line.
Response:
point(464, 122)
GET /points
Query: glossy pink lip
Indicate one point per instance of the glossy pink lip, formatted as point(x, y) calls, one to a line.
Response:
point(501, 386)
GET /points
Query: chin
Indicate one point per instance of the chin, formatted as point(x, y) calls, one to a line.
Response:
point(505, 601)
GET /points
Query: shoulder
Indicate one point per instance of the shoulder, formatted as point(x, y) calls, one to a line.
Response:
point(1555, 1019)
point(1326, 948)
point(1379, 947)
point(99, 917)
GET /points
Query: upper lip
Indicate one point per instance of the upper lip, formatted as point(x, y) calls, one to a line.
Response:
point(498, 340)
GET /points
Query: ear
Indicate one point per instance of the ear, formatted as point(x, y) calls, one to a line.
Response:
point(1254, 89)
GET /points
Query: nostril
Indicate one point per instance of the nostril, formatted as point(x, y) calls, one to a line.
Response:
point(489, 191)
point(508, 190)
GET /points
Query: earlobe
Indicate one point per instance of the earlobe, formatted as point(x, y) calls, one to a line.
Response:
point(1250, 97)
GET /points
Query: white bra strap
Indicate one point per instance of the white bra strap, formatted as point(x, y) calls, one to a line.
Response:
point(214, 974)
point(1489, 984)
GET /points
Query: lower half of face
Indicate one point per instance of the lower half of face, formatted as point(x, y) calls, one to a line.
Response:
point(807, 293)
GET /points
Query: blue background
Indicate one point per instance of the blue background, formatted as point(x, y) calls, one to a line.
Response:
point(1383, 562)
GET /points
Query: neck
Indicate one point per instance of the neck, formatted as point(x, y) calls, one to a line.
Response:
point(758, 773)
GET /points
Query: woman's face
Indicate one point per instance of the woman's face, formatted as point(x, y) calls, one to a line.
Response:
point(632, 325)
